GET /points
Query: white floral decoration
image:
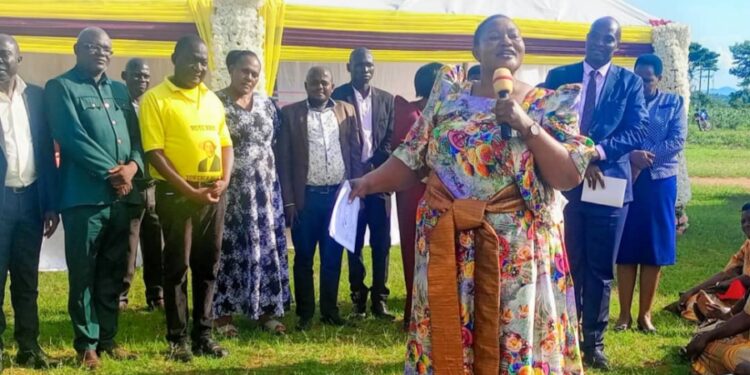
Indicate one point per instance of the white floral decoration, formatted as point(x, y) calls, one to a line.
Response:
point(671, 43)
point(236, 25)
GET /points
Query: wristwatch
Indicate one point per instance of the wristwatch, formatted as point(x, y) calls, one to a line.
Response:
point(532, 131)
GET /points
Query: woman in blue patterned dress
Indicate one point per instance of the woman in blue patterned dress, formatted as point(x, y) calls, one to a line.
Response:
point(253, 277)
point(492, 287)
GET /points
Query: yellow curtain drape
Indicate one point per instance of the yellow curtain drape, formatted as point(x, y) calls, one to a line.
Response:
point(110, 10)
point(121, 47)
point(273, 13)
point(328, 18)
point(202, 10)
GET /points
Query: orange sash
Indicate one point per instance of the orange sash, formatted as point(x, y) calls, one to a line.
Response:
point(461, 215)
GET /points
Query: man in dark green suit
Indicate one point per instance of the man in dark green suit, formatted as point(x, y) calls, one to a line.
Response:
point(93, 121)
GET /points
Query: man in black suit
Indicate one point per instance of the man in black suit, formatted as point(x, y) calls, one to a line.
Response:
point(28, 200)
point(613, 114)
point(145, 229)
point(375, 117)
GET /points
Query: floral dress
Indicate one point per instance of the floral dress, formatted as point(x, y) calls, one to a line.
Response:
point(253, 276)
point(458, 139)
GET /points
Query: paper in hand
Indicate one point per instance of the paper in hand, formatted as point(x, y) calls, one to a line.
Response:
point(343, 226)
point(613, 193)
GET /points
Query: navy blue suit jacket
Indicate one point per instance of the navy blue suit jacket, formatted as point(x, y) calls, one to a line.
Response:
point(44, 153)
point(619, 122)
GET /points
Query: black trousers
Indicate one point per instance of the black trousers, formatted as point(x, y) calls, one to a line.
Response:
point(311, 230)
point(145, 230)
point(376, 216)
point(21, 230)
point(192, 239)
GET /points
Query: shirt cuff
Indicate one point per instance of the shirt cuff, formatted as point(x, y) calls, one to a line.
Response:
point(602, 154)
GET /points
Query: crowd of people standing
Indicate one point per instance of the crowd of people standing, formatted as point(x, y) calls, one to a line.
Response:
point(507, 268)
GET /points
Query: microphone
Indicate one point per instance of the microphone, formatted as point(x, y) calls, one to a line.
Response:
point(502, 82)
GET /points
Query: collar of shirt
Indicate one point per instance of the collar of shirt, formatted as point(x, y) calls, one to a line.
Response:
point(82, 76)
point(329, 104)
point(18, 89)
point(360, 98)
point(602, 71)
point(190, 94)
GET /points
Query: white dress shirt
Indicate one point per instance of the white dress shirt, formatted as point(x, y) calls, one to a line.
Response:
point(325, 161)
point(601, 76)
point(364, 105)
point(17, 146)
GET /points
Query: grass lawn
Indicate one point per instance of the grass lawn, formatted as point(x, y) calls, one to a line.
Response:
point(718, 153)
point(374, 347)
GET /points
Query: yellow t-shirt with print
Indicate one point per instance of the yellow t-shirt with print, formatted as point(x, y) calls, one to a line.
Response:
point(189, 125)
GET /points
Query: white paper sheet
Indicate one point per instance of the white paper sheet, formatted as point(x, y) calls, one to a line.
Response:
point(613, 193)
point(343, 226)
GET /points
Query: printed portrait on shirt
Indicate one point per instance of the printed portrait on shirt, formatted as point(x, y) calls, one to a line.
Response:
point(212, 162)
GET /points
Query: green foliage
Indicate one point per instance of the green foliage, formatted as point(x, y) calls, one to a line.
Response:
point(700, 99)
point(740, 98)
point(741, 63)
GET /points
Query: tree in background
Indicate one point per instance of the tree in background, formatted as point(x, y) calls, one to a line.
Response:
point(703, 61)
point(741, 64)
point(741, 69)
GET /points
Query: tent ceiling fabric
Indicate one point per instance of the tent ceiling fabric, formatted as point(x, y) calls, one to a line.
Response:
point(553, 10)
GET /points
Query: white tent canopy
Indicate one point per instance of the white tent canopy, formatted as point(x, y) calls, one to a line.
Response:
point(398, 78)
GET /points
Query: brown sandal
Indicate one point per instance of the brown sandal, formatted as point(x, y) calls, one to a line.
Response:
point(275, 326)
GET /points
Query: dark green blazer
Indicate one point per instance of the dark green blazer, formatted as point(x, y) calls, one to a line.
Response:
point(97, 129)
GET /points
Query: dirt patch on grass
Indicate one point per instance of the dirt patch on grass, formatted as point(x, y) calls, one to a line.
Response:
point(743, 182)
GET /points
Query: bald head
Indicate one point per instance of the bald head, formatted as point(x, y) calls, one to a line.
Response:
point(608, 23)
point(318, 71)
point(11, 41)
point(10, 57)
point(93, 51)
point(91, 33)
point(319, 85)
point(137, 77)
point(135, 64)
point(602, 41)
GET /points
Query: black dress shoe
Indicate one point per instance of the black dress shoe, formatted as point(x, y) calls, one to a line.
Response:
point(380, 310)
point(209, 347)
point(596, 359)
point(36, 359)
point(180, 351)
point(304, 324)
point(359, 304)
point(333, 320)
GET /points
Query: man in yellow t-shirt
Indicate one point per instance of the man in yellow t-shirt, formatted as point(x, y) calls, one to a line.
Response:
point(182, 121)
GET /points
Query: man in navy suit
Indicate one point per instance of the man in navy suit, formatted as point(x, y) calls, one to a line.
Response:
point(613, 114)
point(375, 117)
point(28, 200)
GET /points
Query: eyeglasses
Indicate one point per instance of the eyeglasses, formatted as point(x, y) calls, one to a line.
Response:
point(96, 48)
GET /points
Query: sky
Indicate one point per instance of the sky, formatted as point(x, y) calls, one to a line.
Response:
point(716, 24)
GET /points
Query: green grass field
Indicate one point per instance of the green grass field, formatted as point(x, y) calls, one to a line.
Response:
point(374, 347)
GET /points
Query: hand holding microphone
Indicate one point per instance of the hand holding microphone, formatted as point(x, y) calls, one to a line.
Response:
point(508, 113)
